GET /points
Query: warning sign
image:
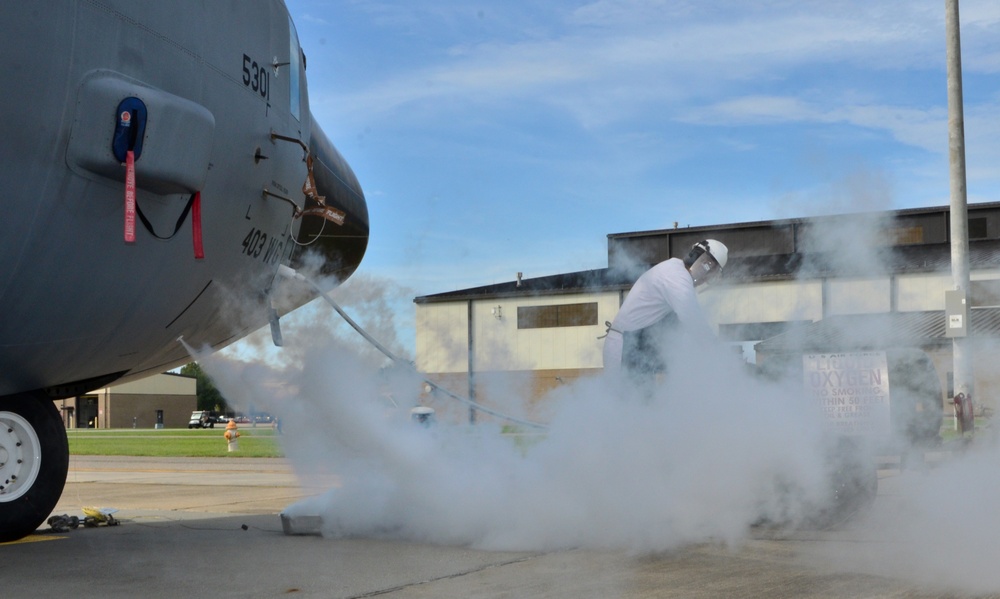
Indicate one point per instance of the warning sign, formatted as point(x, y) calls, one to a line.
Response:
point(852, 388)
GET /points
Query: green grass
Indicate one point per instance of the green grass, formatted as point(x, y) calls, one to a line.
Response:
point(948, 432)
point(254, 443)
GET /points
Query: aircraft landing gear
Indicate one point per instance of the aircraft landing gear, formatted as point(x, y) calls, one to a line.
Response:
point(34, 459)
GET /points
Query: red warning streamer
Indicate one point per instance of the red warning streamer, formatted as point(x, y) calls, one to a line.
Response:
point(199, 250)
point(129, 197)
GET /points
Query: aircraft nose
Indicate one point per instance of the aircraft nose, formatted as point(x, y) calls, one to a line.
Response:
point(337, 228)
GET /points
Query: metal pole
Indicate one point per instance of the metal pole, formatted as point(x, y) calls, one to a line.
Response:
point(962, 354)
point(472, 363)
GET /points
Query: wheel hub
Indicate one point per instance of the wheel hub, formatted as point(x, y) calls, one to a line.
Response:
point(20, 456)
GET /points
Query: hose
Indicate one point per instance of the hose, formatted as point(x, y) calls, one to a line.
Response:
point(290, 273)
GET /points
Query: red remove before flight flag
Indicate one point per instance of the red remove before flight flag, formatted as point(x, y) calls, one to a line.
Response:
point(199, 250)
point(129, 197)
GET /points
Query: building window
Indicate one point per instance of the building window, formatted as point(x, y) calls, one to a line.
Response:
point(756, 331)
point(977, 228)
point(985, 293)
point(906, 235)
point(566, 315)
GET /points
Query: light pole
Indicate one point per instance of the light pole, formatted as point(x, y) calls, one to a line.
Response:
point(957, 324)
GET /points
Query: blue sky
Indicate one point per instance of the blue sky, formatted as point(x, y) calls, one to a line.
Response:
point(492, 138)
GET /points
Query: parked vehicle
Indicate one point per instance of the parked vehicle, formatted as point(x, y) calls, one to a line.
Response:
point(201, 419)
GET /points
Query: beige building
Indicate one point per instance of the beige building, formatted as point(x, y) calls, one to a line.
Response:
point(160, 401)
point(538, 333)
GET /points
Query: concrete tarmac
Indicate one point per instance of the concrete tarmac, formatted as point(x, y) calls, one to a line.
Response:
point(204, 527)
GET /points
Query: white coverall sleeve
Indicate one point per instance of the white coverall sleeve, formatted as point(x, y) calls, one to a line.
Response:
point(665, 288)
point(682, 297)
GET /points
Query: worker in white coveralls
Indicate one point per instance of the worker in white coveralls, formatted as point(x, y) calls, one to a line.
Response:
point(664, 294)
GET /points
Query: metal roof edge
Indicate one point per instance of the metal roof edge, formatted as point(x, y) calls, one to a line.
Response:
point(595, 280)
point(802, 220)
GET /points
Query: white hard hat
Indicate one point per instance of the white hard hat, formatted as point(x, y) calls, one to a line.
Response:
point(706, 260)
point(718, 250)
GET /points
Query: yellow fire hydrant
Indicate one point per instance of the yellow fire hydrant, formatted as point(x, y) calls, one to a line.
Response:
point(232, 436)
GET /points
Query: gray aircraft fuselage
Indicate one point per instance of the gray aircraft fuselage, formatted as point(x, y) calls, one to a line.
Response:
point(224, 114)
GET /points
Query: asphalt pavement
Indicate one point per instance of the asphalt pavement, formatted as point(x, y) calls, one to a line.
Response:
point(205, 527)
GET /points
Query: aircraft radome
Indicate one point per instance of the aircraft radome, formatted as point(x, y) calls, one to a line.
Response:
point(159, 162)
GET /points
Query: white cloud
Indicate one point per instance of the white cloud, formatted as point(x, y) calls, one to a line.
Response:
point(608, 57)
point(637, 100)
point(925, 129)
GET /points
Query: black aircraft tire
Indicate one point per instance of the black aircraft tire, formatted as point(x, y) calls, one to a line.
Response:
point(34, 459)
